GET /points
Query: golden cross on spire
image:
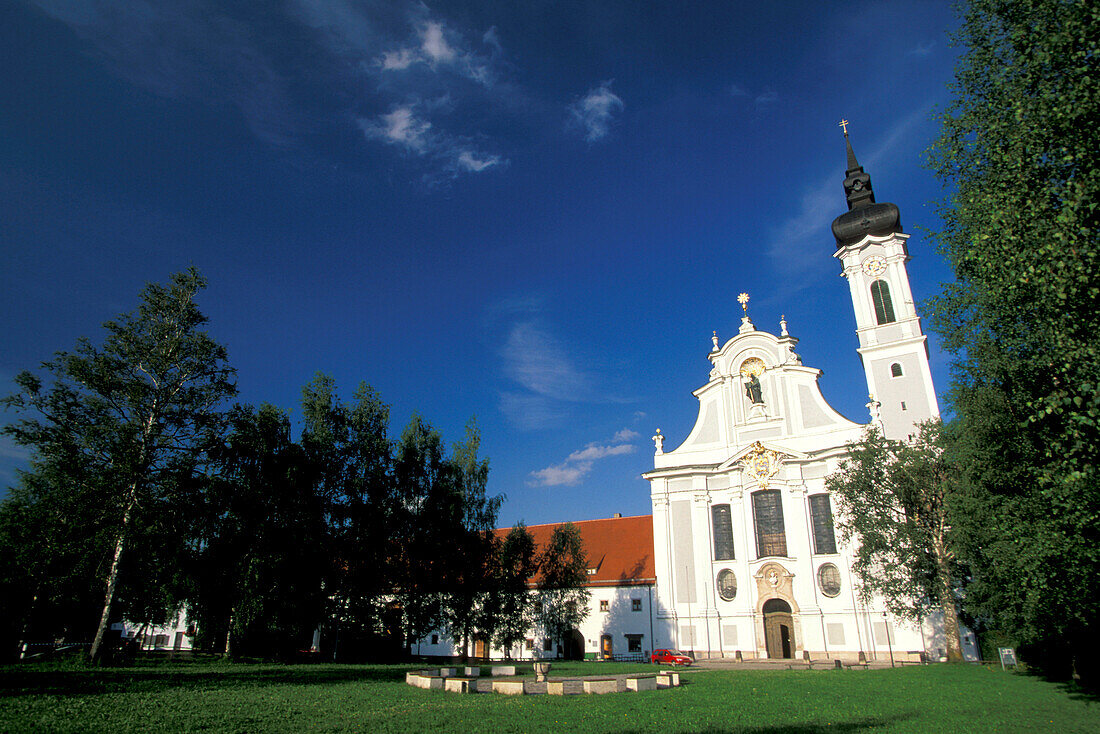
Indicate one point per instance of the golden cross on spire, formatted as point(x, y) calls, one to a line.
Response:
point(844, 124)
point(743, 299)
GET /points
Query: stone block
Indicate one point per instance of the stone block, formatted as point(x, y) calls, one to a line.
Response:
point(448, 672)
point(502, 670)
point(461, 685)
point(509, 687)
point(641, 683)
point(601, 685)
point(471, 672)
point(668, 679)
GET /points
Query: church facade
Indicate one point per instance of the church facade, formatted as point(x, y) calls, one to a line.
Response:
point(747, 560)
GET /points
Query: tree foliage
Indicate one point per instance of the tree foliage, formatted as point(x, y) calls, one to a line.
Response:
point(1018, 152)
point(127, 421)
point(514, 602)
point(563, 572)
point(893, 502)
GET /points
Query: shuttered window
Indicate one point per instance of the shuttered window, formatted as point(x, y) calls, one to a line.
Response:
point(884, 306)
point(821, 516)
point(723, 532)
point(767, 510)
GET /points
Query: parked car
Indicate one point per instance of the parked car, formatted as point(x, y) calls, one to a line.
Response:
point(670, 657)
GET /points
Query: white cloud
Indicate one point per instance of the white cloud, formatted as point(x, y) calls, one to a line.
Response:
point(434, 43)
point(536, 360)
point(562, 474)
point(767, 97)
point(579, 463)
point(737, 91)
point(400, 59)
point(469, 161)
point(626, 434)
point(400, 127)
point(922, 49)
point(595, 113)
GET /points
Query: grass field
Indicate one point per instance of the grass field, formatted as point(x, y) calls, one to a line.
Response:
point(226, 697)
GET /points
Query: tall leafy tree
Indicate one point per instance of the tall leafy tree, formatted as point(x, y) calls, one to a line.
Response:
point(512, 597)
point(261, 560)
point(353, 459)
point(469, 602)
point(563, 572)
point(893, 509)
point(129, 415)
point(1018, 152)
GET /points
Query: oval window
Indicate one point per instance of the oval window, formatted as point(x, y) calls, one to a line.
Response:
point(727, 584)
point(828, 578)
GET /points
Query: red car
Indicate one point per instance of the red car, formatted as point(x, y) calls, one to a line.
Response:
point(670, 657)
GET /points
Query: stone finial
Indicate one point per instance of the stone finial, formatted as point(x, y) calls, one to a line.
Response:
point(783, 325)
point(714, 340)
point(659, 443)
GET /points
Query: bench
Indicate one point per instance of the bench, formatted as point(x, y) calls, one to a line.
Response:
point(461, 685)
point(509, 687)
point(601, 685)
point(641, 683)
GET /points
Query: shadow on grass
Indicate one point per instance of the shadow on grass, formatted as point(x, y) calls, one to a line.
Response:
point(18, 681)
point(864, 724)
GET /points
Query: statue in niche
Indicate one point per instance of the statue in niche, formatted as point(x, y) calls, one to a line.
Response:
point(753, 390)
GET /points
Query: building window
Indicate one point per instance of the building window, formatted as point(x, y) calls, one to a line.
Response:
point(884, 307)
point(435, 639)
point(828, 578)
point(723, 532)
point(603, 605)
point(633, 643)
point(821, 516)
point(546, 645)
point(529, 644)
point(767, 511)
point(635, 605)
point(895, 370)
point(727, 585)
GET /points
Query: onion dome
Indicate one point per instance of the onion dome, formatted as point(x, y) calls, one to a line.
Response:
point(864, 216)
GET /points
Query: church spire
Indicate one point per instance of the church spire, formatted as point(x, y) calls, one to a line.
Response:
point(864, 215)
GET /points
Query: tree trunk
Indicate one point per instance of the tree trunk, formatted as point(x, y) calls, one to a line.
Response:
point(947, 604)
point(95, 654)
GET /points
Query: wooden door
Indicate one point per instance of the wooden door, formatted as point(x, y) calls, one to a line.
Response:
point(778, 638)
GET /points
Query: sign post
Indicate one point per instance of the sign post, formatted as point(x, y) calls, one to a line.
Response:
point(1008, 656)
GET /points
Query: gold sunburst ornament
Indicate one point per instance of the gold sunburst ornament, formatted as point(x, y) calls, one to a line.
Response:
point(743, 299)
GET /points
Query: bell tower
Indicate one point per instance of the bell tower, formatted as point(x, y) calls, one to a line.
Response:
point(872, 250)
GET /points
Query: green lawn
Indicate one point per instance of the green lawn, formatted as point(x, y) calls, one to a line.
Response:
point(223, 697)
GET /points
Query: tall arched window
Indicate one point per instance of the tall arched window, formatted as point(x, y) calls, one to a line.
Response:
point(884, 307)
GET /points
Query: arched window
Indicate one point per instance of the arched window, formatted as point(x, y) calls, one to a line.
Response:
point(767, 509)
point(884, 307)
point(895, 370)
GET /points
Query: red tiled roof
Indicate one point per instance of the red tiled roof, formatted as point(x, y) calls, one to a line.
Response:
point(620, 549)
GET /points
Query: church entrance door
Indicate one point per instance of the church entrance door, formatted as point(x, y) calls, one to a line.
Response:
point(574, 645)
point(778, 629)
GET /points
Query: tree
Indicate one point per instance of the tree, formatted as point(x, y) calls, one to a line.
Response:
point(517, 564)
point(262, 555)
point(892, 502)
point(563, 572)
point(1018, 150)
point(468, 527)
point(125, 419)
point(353, 460)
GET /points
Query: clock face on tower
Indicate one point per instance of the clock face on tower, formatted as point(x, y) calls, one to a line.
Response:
point(874, 265)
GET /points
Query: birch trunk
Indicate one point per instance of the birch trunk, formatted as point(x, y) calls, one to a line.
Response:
point(95, 654)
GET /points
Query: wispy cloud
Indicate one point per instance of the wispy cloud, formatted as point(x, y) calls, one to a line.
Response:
point(580, 463)
point(765, 98)
point(922, 49)
point(794, 241)
point(626, 434)
point(595, 112)
point(538, 362)
point(404, 127)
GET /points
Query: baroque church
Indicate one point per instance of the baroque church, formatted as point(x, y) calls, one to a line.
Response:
point(739, 558)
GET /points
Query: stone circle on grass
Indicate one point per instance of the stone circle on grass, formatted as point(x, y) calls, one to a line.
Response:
point(471, 680)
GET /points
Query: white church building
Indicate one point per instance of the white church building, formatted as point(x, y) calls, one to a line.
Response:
point(743, 560)
point(747, 559)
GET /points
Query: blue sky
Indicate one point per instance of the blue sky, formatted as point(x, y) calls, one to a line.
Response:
point(534, 213)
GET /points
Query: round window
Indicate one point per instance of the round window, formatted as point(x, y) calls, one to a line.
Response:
point(828, 578)
point(727, 584)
